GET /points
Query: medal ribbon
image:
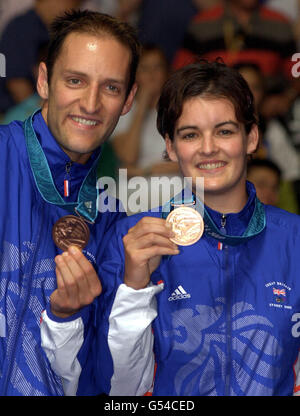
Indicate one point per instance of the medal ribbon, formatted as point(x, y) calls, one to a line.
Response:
point(256, 224)
point(86, 204)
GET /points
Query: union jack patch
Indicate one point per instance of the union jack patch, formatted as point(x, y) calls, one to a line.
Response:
point(279, 292)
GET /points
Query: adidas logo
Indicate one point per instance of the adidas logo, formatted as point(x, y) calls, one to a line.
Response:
point(179, 293)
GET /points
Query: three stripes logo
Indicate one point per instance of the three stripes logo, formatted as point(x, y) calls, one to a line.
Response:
point(179, 293)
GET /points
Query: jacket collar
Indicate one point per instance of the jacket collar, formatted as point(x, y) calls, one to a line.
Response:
point(57, 159)
point(236, 223)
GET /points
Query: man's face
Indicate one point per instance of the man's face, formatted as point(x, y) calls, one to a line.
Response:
point(87, 92)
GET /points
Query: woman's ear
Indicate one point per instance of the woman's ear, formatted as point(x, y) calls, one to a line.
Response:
point(170, 149)
point(252, 140)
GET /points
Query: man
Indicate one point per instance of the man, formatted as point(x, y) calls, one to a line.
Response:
point(86, 83)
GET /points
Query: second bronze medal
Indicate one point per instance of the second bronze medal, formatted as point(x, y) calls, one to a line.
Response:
point(187, 225)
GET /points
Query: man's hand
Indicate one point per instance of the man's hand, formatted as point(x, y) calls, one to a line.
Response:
point(77, 283)
point(144, 245)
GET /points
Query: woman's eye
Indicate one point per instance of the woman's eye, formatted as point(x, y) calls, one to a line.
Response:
point(189, 136)
point(225, 132)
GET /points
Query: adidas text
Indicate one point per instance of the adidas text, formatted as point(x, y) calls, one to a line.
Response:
point(177, 297)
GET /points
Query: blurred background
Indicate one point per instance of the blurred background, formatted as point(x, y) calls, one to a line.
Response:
point(257, 37)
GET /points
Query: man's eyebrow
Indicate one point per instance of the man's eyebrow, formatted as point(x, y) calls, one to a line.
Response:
point(72, 72)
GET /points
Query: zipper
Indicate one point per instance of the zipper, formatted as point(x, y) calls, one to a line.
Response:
point(67, 179)
point(228, 323)
point(223, 223)
point(228, 313)
point(25, 293)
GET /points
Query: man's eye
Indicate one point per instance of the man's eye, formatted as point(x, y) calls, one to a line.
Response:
point(74, 81)
point(113, 88)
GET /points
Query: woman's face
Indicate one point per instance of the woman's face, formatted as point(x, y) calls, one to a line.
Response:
point(209, 142)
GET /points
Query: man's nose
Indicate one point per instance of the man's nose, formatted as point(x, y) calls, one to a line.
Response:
point(91, 100)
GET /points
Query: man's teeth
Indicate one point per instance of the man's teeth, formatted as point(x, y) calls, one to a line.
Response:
point(211, 165)
point(84, 121)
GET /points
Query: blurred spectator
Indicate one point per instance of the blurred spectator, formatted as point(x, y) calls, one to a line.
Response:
point(126, 10)
point(253, 75)
point(287, 7)
point(290, 8)
point(20, 43)
point(22, 110)
point(26, 107)
point(283, 132)
point(244, 30)
point(136, 141)
point(164, 22)
point(265, 175)
point(270, 189)
point(275, 148)
point(240, 30)
point(9, 9)
point(274, 145)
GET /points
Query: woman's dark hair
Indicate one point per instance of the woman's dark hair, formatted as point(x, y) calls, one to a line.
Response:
point(208, 79)
point(86, 21)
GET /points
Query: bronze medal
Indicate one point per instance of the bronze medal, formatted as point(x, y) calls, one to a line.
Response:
point(70, 231)
point(187, 224)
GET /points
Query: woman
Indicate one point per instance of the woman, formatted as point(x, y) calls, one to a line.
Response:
point(220, 316)
point(227, 307)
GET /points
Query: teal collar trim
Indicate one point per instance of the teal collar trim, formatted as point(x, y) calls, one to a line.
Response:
point(256, 224)
point(86, 204)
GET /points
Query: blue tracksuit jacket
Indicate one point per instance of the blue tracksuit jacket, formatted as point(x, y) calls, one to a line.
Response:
point(228, 317)
point(27, 251)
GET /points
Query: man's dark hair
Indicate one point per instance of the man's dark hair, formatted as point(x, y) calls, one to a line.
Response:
point(209, 80)
point(95, 23)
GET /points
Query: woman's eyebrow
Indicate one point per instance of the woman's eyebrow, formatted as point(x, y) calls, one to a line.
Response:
point(223, 123)
point(180, 129)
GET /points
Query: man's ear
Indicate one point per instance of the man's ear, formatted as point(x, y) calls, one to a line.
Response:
point(170, 149)
point(253, 140)
point(42, 81)
point(129, 100)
